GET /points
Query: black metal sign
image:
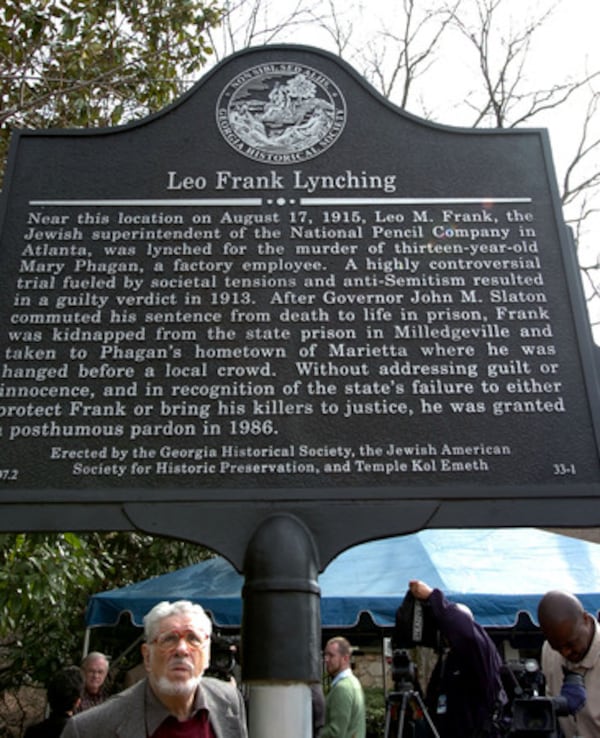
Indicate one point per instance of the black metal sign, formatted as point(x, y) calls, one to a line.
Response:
point(283, 287)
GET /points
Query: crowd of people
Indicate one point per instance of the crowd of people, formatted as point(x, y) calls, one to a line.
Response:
point(465, 695)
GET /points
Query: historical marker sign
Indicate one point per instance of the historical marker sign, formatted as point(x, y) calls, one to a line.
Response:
point(283, 287)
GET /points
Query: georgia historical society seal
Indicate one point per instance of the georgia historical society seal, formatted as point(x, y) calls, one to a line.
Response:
point(281, 113)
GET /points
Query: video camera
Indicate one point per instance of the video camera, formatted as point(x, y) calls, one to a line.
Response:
point(404, 673)
point(406, 714)
point(523, 678)
point(533, 715)
point(223, 653)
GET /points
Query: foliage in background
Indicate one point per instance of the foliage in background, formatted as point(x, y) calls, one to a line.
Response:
point(45, 582)
point(375, 712)
point(77, 63)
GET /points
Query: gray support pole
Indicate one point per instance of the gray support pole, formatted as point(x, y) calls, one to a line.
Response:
point(281, 628)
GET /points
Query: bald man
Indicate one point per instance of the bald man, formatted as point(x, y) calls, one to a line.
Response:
point(572, 643)
point(465, 689)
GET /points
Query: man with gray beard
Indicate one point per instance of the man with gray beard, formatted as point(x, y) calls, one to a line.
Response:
point(175, 700)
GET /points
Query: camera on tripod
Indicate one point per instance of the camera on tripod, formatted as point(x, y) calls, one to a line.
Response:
point(406, 713)
point(405, 708)
point(404, 673)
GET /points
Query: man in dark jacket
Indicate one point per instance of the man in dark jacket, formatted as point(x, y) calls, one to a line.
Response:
point(64, 694)
point(465, 689)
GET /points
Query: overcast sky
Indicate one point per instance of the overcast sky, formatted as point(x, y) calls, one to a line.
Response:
point(565, 46)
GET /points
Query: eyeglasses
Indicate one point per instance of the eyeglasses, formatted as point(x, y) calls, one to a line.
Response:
point(170, 640)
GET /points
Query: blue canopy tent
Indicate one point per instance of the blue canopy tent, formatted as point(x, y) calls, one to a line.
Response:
point(497, 573)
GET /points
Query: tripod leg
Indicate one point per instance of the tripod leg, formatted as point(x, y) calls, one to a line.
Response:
point(388, 721)
point(426, 715)
point(402, 715)
point(391, 715)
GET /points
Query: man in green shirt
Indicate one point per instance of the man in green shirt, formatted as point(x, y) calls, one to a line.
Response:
point(345, 704)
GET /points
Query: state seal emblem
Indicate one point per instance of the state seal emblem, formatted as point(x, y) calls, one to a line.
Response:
point(281, 113)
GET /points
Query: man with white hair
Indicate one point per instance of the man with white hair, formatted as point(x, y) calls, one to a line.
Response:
point(175, 700)
point(95, 670)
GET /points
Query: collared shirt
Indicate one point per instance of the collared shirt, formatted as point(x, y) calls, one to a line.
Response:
point(89, 700)
point(158, 718)
point(345, 708)
point(341, 675)
point(587, 721)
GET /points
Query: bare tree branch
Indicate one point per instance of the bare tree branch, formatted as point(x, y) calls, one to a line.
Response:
point(502, 55)
point(248, 23)
point(335, 26)
point(584, 150)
